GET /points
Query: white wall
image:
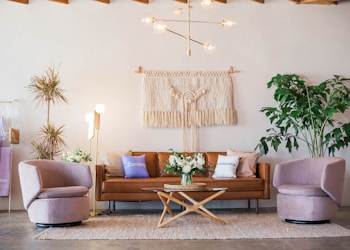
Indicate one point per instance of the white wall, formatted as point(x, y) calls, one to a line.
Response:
point(99, 47)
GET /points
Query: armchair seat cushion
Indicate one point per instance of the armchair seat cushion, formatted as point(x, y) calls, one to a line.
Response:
point(63, 192)
point(304, 190)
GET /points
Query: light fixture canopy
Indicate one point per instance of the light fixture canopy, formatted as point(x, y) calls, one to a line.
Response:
point(160, 27)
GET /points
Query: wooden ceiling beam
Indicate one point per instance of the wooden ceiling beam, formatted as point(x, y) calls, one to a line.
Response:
point(142, 1)
point(185, 1)
point(21, 1)
point(104, 1)
point(315, 1)
point(61, 1)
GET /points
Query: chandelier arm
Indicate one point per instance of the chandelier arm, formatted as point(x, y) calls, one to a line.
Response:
point(185, 21)
point(183, 36)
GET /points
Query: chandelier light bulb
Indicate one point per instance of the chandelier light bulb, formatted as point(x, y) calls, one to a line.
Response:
point(228, 23)
point(207, 4)
point(147, 20)
point(159, 27)
point(178, 11)
point(209, 47)
point(100, 108)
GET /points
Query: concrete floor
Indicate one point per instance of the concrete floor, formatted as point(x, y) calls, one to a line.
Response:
point(16, 232)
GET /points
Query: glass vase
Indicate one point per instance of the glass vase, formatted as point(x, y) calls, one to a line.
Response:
point(186, 180)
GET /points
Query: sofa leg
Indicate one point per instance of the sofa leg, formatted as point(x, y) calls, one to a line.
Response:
point(257, 206)
point(109, 207)
point(248, 204)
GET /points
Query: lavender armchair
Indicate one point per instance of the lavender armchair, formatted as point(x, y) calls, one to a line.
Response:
point(55, 192)
point(309, 190)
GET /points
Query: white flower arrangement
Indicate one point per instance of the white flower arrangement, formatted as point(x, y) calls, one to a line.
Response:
point(180, 164)
point(76, 156)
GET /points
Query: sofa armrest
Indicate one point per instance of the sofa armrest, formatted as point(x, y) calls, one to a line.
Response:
point(100, 177)
point(31, 184)
point(332, 180)
point(263, 172)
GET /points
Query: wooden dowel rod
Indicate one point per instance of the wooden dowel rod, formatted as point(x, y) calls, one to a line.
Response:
point(139, 70)
point(231, 70)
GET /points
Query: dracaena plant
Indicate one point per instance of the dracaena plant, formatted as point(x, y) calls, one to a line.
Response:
point(307, 114)
point(47, 91)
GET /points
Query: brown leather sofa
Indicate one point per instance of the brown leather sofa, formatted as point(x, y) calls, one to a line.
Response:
point(240, 188)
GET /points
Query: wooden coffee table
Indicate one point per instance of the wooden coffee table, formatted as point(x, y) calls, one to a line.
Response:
point(167, 196)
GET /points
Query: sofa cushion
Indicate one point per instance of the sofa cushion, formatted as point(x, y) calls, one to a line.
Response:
point(247, 162)
point(113, 163)
point(163, 158)
point(226, 166)
point(61, 192)
point(135, 166)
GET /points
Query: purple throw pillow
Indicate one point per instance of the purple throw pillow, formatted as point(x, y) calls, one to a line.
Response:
point(135, 166)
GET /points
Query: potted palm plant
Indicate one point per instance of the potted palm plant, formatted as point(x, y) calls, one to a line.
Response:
point(47, 91)
point(307, 114)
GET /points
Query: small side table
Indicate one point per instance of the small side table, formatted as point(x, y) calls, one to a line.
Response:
point(167, 196)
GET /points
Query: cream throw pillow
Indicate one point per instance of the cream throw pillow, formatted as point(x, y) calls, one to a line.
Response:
point(113, 163)
point(247, 162)
point(226, 167)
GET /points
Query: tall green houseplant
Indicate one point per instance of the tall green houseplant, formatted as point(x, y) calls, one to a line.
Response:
point(47, 91)
point(308, 114)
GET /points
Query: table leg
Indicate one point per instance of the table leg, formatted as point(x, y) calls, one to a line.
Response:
point(197, 207)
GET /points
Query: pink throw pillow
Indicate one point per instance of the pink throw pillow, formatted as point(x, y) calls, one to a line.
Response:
point(247, 162)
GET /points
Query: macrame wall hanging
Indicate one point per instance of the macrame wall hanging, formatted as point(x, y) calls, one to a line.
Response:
point(188, 100)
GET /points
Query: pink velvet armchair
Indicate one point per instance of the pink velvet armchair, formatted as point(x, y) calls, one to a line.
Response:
point(55, 192)
point(309, 190)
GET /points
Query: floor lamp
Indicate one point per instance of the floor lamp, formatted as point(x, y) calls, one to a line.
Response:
point(89, 118)
point(99, 109)
point(93, 119)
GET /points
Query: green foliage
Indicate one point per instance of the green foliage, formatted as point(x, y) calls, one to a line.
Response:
point(47, 91)
point(307, 114)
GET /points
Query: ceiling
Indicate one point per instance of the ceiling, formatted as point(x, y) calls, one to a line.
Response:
point(185, 1)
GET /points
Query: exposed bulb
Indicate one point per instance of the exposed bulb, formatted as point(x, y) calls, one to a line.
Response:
point(159, 27)
point(228, 23)
point(178, 11)
point(207, 4)
point(209, 47)
point(147, 20)
point(100, 108)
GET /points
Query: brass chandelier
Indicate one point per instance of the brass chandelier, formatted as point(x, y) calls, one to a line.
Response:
point(159, 25)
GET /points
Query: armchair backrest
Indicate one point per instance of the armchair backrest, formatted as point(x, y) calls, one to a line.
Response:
point(325, 172)
point(38, 174)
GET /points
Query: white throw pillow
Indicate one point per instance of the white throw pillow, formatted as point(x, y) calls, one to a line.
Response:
point(113, 163)
point(226, 167)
